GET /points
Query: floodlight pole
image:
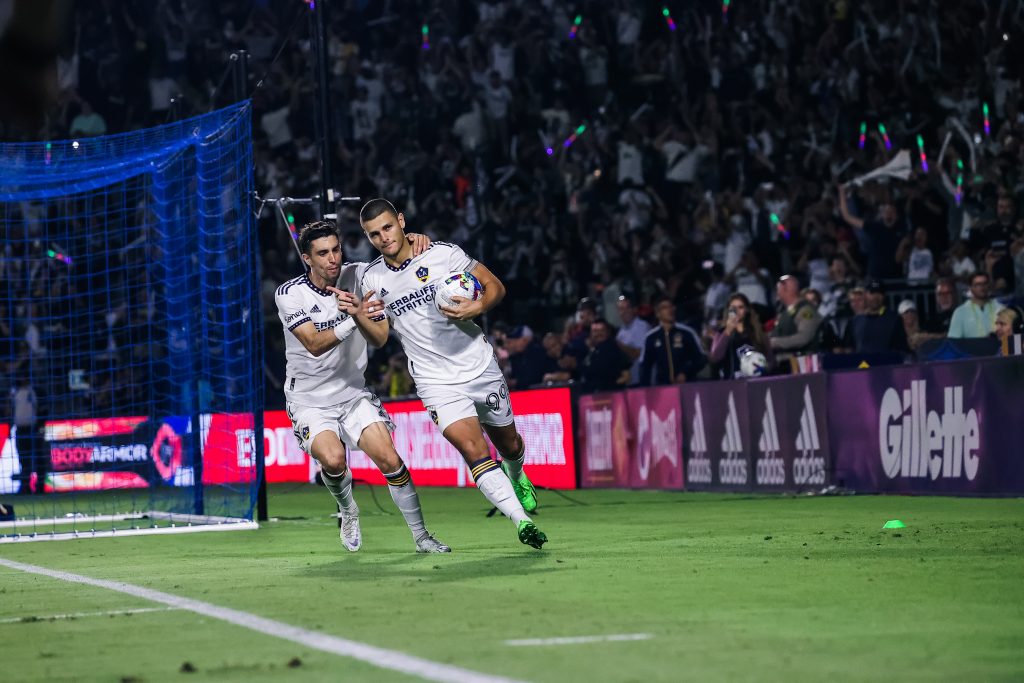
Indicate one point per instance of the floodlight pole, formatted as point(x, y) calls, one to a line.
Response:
point(323, 93)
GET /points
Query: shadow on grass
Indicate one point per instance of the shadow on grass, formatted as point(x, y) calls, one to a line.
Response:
point(433, 568)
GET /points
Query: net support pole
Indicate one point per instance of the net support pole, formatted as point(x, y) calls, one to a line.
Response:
point(241, 88)
point(323, 106)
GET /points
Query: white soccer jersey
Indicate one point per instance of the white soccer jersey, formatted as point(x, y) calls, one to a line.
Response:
point(440, 351)
point(336, 376)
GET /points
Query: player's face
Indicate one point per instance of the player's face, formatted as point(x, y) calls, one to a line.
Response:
point(386, 232)
point(324, 258)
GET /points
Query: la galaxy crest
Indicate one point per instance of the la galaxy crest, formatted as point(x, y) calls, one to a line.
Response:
point(422, 273)
point(305, 433)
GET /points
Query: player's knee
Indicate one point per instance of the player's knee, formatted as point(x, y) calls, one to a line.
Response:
point(332, 460)
point(507, 441)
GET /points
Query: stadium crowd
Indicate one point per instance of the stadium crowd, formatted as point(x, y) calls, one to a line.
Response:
point(621, 168)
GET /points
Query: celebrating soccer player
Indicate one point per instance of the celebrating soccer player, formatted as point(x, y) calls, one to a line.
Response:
point(327, 400)
point(456, 375)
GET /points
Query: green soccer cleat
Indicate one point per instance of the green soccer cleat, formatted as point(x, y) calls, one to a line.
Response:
point(530, 535)
point(525, 492)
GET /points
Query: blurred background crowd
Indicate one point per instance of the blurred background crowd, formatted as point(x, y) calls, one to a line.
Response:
point(661, 186)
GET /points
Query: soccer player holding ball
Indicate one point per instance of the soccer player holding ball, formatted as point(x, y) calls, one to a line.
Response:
point(456, 375)
point(327, 400)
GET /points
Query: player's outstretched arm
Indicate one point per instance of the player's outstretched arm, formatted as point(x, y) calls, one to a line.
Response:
point(493, 293)
point(368, 314)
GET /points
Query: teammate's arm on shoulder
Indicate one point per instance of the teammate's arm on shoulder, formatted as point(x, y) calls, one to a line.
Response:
point(493, 289)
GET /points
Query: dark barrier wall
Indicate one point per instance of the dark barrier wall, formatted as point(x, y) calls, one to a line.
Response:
point(955, 427)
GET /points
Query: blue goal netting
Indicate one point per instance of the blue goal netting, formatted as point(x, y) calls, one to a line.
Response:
point(130, 329)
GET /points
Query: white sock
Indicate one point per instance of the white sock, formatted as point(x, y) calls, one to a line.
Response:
point(497, 488)
point(340, 487)
point(514, 463)
point(403, 492)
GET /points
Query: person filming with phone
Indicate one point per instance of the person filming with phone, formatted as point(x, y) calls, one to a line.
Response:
point(740, 329)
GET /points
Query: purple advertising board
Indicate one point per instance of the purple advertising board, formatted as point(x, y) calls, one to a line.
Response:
point(789, 432)
point(938, 428)
point(655, 417)
point(604, 451)
point(717, 445)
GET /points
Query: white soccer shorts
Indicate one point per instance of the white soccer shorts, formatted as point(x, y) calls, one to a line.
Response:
point(347, 420)
point(485, 397)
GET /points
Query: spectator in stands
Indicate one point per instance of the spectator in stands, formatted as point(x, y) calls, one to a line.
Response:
point(796, 328)
point(740, 327)
point(672, 351)
point(917, 259)
point(1009, 321)
point(959, 262)
point(976, 316)
point(750, 279)
point(812, 296)
point(526, 357)
point(25, 404)
point(883, 236)
point(999, 267)
point(945, 304)
point(578, 328)
point(557, 366)
point(839, 284)
point(916, 336)
point(631, 335)
point(606, 366)
point(88, 122)
point(1001, 230)
point(878, 329)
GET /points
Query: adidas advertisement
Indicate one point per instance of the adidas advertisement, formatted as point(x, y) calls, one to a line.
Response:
point(789, 432)
point(952, 427)
point(717, 443)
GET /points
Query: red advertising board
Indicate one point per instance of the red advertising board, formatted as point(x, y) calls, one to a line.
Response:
point(604, 441)
point(543, 417)
point(128, 452)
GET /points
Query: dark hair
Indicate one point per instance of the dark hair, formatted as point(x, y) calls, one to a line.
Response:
point(751, 320)
point(376, 207)
point(313, 231)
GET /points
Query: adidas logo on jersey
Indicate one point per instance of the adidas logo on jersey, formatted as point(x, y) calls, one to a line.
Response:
point(771, 468)
point(809, 468)
point(315, 309)
point(698, 469)
point(732, 469)
point(383, 292)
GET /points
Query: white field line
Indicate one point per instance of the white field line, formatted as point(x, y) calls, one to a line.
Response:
point(79, 615)
point(377, 656)
point(578, 640)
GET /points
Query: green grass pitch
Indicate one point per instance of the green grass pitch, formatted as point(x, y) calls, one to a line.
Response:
point(727, 587)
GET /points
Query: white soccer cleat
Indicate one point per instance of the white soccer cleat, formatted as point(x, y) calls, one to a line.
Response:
point(429, 544)
point(351, 536)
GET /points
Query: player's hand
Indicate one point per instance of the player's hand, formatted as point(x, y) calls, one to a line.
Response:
point(419, 242)
point(372, 307)
point(347, 301)
point(464, 309)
